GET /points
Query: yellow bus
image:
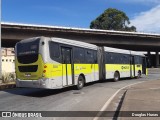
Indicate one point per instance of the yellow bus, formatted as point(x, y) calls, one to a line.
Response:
point(52, 63)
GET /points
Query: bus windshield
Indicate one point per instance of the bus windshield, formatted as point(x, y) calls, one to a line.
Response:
point(27, 52)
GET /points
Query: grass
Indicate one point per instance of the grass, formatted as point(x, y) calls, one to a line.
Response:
point(8, 77)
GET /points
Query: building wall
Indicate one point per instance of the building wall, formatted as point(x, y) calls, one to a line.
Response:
point(8, 60)
point(8, 52)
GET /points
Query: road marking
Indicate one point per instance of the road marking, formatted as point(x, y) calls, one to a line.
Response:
point(110, 99)
point(154, 88)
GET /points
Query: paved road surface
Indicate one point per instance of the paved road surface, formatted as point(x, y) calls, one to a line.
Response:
point(91, 98)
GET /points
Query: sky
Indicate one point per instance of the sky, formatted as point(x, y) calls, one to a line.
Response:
point(144, 14)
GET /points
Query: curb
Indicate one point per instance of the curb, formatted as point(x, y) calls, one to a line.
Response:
point(7, 86)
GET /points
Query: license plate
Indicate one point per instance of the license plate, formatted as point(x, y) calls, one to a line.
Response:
point(27, 74)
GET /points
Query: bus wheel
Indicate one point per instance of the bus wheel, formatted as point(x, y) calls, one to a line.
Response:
point(116, 77)
point(139, 74)
point(80, 83)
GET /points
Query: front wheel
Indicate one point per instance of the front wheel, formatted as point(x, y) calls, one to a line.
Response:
point(80, 83)
point(116, 77)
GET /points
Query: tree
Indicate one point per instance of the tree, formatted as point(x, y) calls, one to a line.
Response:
point(112, 19)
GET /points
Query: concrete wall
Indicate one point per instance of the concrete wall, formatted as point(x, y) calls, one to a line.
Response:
point(7, 60)
point(8, 64)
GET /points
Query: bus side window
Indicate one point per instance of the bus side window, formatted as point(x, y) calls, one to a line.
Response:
point(89, 56)
point(108, 58)
point(138, 60)
point(95, 56)
point(113, 58)
point(124, 60)
point(78, 55)
point(128, 58)
point(54, 50)
point(117, 58)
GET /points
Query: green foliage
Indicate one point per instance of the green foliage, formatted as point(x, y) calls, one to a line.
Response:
point(8, 77)
point(112, 19)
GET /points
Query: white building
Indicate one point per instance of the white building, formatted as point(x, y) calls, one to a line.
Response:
point(8, 60)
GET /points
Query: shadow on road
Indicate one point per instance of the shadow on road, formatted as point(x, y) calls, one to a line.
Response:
point(37, 92)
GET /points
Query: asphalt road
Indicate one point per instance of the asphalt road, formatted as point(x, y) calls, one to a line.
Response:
point(91, 98)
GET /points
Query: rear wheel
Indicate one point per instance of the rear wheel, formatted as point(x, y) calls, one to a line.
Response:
point(116, 77)
point(80, 83)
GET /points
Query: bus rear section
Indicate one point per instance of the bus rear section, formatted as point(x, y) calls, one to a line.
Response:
point(55, 63)
point(29, 63)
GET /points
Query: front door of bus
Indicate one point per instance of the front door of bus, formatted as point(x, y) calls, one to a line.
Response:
point(67, 66)
point(132, 66)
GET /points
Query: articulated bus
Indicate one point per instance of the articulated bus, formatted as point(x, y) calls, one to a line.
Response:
point(52, 63)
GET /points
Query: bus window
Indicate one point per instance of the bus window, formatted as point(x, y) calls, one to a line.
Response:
point(54, 50)
point(95, 56)
point(138, 60)
point(28, 52)
point(78, 55)
point(89, 56)
point(108, 58)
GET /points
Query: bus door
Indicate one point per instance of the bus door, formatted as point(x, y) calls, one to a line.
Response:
point(94, 69)
point(144, 65)
point(93, 75)
point(132, 66)
point(67, 74)
point(91, 67)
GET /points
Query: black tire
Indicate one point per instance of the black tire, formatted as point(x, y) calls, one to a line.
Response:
point(139, 74)
point(81, 82)
point(116, 77)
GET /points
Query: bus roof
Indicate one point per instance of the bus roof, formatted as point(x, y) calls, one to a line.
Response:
point(116, 50)
point(137, 53)
point(28, 40)
point(74, 43)
point(62, 40)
